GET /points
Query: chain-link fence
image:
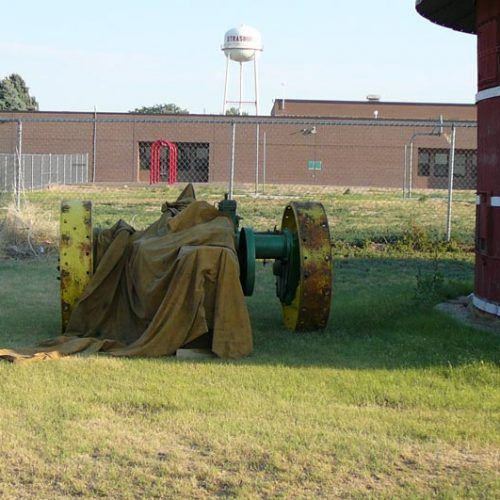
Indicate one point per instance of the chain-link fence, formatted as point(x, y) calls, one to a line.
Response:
point(48, 156)
point(40, 171)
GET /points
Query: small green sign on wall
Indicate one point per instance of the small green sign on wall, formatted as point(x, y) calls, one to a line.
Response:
point(314, 165)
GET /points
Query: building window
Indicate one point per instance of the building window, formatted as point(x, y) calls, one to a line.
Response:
point(434, 162)
point(314, 165)
point(144, 155)
point(473, 165)
point(441, 164)
point(459, 168)
point(192, 160)
point(424, 163)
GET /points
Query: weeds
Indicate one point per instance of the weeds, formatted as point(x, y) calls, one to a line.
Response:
point(417, 239)
point(28, 232)
point(429, 286)
point(362, 222)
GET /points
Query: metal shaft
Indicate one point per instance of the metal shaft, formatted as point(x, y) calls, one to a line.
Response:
point(272, 245)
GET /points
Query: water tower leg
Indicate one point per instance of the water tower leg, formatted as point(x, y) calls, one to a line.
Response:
point(226, 82)
point(256, 76)
point(241, 89)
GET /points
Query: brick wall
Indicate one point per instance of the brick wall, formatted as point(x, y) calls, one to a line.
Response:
point(349, 155)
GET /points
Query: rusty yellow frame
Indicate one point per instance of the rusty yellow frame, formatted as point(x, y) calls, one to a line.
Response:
point(75, 253)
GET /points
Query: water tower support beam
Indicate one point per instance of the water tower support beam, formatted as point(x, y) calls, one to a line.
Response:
point(241, 88)
point(256, 77)
point(225, 86)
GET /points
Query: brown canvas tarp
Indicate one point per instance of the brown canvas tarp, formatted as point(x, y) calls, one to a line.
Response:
point(156, 290)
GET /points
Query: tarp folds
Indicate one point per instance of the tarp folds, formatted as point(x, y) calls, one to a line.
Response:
point(154, 291)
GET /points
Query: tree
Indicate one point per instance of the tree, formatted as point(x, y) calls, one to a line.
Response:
point(235, 111)
point(15, 96)
point(161, 109)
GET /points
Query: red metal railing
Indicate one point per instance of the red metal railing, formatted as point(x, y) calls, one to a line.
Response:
point(154, 166)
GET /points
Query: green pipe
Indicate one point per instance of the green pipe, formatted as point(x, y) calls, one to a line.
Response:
point(273, 245)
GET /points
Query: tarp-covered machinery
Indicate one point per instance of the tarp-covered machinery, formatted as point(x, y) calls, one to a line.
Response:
point(301, 252)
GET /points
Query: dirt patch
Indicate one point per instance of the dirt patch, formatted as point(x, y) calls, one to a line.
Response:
point(462, 310)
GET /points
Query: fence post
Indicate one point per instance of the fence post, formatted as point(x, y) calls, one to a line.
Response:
point(231, 175)
point(257, 159)
point(42, 171)
point(50, 169)
point(57, 170)
point(19, 150)
point(264, 161)
point(94, 145)
point(451, 169)
point(410, 171)
point(405, 180)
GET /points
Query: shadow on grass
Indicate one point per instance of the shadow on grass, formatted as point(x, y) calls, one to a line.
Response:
point(382, 317)
point(375, 321)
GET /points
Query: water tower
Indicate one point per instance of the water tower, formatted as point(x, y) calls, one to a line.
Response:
point(241, 45)
point(481, 17)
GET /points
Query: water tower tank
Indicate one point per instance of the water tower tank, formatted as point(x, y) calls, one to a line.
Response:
point(241, 44)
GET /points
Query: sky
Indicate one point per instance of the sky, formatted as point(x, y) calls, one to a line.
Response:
point(120, 55)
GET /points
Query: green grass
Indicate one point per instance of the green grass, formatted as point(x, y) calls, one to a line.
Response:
point(360, 217)
point(394, 399)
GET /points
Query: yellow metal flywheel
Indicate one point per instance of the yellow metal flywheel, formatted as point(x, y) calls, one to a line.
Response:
point(310, 308)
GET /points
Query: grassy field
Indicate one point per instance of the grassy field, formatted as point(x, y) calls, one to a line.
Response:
point(394, 399)
point(357, 216)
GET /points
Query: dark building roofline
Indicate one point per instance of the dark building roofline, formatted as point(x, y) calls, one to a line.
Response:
point(378, 103)
point(459, 15)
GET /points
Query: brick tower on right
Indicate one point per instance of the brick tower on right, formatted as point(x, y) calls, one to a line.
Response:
point(481, 17)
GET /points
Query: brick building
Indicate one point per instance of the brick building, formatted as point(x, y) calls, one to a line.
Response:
point(302, 142)
point(374, 108)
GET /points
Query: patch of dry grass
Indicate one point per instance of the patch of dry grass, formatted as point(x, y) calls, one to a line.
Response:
point(356, 215)
point(28, 232)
